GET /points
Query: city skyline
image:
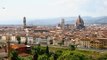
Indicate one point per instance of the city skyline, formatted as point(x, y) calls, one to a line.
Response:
point(53, 29)
point(14, 10)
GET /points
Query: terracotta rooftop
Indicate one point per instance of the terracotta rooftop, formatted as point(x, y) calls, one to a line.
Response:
point(16, 46)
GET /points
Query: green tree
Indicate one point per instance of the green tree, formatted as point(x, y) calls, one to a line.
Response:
point(58, 53)
point(14, 55)
point(68, 57)
point(26, 58)
point(79, 56)
point(39, 50)
point(64, 54)
point(102, 57)
point(72, 55)
point(43, 57)
point(72, 47)
point(51, 57)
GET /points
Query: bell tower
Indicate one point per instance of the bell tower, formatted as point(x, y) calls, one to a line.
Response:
point(24, 22)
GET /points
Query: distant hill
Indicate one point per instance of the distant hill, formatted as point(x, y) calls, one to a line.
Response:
point(68, 20)
point(101, 20)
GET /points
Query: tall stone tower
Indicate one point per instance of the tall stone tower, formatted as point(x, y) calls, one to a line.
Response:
point(24, 22)
point(80, 23)
point(62, 24)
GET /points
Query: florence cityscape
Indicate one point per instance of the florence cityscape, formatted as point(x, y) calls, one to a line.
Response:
point(53, 30)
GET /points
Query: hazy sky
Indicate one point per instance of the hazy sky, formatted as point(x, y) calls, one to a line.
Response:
point(12, 10)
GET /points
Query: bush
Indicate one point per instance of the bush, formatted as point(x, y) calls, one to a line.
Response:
point(69, 55)
point(26, 58)
point(102, 57)
point(43, 57)
point(58, 52)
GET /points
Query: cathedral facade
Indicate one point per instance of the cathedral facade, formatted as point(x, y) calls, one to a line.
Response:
point(79, 23)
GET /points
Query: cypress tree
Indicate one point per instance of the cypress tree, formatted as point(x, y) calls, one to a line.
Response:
point(47, 50)
point(35, 57)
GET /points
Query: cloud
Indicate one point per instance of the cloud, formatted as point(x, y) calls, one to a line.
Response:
point(53, 8)
point(76, 7)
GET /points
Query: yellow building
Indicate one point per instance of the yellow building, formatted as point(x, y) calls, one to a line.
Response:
point(99, 43)
point(85, 42)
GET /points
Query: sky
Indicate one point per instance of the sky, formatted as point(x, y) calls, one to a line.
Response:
point(13, 11)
